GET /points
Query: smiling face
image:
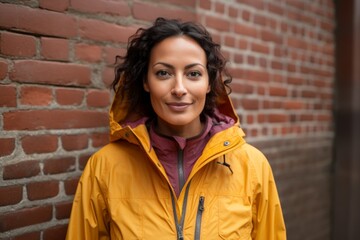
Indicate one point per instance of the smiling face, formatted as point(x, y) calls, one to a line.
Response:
point(178, 82)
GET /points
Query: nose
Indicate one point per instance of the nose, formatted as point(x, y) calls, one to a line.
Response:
point(179, 88)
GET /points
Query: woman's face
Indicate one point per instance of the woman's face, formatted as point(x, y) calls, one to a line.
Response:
point(178, 82)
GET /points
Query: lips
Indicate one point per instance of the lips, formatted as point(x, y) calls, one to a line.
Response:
point(178, 106)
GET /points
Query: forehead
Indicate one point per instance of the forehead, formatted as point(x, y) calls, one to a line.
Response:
point(177, 48)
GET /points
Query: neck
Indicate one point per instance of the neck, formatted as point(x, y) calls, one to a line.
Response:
point(184, 131)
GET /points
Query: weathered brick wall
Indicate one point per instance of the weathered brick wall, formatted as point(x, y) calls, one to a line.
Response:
point(56, 66)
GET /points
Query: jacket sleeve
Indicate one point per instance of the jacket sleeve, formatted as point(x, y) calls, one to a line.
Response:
point(268, 222)
point(89, 216)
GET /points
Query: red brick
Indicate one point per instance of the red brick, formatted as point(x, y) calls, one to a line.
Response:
point(229, 41)
point(24, 169)
point(39, 144)
point(10, 195)
point(245, 30)
point(250, 119)
point(37, 21)
point(103, 31)
point(108, 76)
point(217, 23)
point(263, 62)
point(89, 53)
point(260, 48)
point(272, 105)
point(19, 45)
point(7, 96)
point(42, 190)
point(238, 58)
point(33, 71)
point(277, 118)
point(270, 36)
point(83, 159)
point(55, 233)
point(250, 104)
point(70, 186)
point(277, 65)
point(119, 8)
point(242, 88)
point(324, 118)
point(297, 43)
point(74, 142)
point(110, 54)
point(295, 80)
point(7, 146)
point(237, 72)
point(36, 96)
point(294, 105)
point(233, 12)
point(278, 91)
point(250, 59)
point(259, 20)
point(27, 236)
point(278, 78)
point(3, 69)
point(261, 118)
point(306, 70)
point(219, 8)
point(98, 98)
point(274, 8)
point(25, 217)
point(245, 15)
point(63, 210)
point(55, 48)
point(261, 90)
point(308, 94)
point(100, 139)
point(150, 11)
point(54, 119)
point(306, 117)
point(65, 96)
point(242, 44)
point(55, 5)
point(291, 67)
point(259, 76)
point(205, 4)
point(59, 165)
point(258, 4)
point(187, 3)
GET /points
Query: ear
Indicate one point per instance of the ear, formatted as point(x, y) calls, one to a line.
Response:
point(209, 89)
point(146, 86)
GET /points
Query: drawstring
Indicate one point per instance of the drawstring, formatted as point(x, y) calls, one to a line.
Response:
point(224, 163)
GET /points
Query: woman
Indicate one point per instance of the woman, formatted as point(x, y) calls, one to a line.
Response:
point(178, 166)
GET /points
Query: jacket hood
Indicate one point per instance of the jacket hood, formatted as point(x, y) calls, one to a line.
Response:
point(124, 120)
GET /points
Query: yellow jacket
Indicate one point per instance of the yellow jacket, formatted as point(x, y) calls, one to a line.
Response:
point(124, 192)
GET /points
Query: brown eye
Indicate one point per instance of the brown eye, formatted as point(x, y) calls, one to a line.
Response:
point(194, 74)
point(162, 74)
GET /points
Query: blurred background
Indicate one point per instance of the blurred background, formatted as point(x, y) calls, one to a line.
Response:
point(295, 67)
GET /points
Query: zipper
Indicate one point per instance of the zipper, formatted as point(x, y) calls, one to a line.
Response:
point(199, 217)
point(180, 168)
point(180, 224)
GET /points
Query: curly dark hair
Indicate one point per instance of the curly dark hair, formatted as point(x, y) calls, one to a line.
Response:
point(131, 69)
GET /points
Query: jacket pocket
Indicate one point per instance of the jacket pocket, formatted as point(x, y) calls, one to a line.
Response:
point(235, 218)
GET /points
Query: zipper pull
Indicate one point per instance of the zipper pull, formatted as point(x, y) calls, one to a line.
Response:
point(201, 203)
point(180, 233)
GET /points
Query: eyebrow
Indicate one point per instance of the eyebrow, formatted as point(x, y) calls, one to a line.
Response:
point(186, 67)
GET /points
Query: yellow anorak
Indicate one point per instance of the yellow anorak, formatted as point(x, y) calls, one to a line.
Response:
point(124, 192)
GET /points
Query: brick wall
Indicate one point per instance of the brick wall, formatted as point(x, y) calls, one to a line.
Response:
point(56, 66)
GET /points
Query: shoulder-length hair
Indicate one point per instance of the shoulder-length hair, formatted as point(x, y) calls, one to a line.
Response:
point(131, 69)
